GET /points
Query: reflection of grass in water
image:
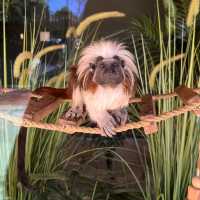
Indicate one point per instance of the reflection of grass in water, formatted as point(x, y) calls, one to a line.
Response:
point(173, 150)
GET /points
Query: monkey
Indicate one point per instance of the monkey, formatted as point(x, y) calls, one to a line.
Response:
point(101, 85)
point(105, 80)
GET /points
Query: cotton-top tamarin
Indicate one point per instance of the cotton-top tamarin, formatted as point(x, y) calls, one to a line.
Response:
point(103, 82)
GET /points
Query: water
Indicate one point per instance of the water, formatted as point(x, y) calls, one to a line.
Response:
point(8, 134)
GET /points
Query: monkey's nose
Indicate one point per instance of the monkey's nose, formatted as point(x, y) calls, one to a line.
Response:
point(114, 66)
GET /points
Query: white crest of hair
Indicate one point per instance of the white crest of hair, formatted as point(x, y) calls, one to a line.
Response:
point(106, 49)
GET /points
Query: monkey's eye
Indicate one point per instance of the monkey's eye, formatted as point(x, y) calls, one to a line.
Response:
point(99, 58)
point(92, 65)
point(116, 57)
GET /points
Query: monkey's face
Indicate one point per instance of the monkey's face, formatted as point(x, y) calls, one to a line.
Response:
point(106, 63)
point(108, 71)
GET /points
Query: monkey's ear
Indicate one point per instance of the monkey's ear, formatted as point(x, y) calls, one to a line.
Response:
point(73, 68)
point(99, 58)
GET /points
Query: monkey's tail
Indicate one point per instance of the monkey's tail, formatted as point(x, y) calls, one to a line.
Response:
point(21, 172)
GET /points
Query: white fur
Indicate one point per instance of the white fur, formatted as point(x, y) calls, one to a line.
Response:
point(105, 98)
point(99, 103)
point(106, 49)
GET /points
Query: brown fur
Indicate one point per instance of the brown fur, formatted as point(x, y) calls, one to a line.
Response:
point(127, 88)
point(127, 83)
point(90, 85)
point(86, 82)
point(72, 77)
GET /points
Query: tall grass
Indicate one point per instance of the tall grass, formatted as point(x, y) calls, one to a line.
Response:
point(4, 45)
point(173, 150)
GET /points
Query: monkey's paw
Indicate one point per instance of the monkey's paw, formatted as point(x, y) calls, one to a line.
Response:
point(120, 116)
point(107, 123)
point(74, 116)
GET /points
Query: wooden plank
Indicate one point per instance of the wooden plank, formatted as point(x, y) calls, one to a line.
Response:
point(193, 193)
point(196, 182)
point(188, 96)
point(40, 108)
point(147, 111)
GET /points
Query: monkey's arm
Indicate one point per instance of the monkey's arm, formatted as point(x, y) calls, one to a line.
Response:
point(120, 115)
point(104, 120)
point(76, 112)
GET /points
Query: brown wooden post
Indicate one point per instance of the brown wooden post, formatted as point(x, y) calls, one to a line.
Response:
point(194, 189)
point(148, 110)
point(189, 96)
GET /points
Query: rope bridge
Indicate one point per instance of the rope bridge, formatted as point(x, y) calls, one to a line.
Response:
point(148, 120)
point(190, 98)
